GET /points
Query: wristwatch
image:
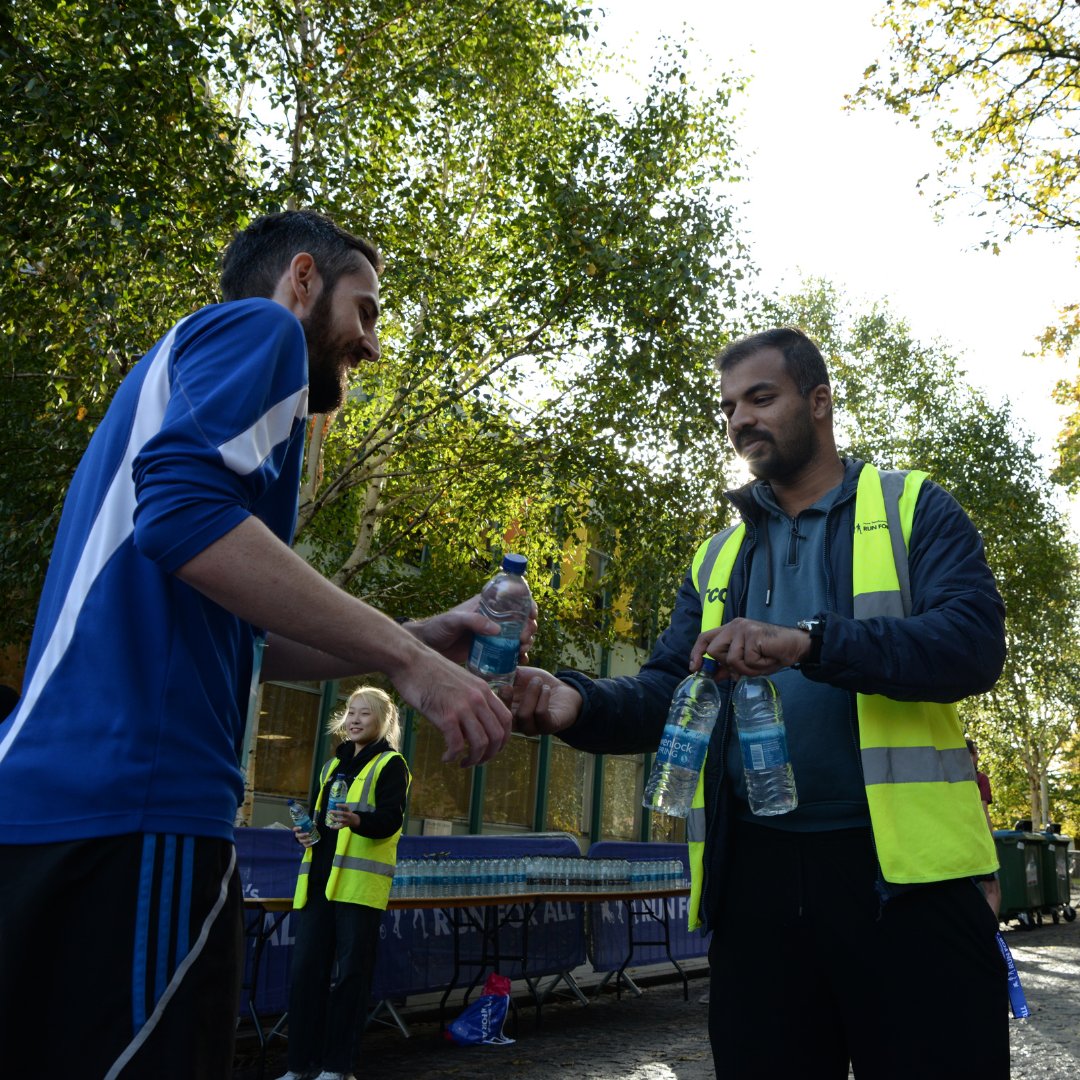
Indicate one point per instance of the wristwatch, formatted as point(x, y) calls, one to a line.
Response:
point(815, 627)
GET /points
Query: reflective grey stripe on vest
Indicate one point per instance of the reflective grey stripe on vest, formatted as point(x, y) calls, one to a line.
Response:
point(712, 553)
point(916, 765)
point(367, 866)
point(695, 826)
point(305, 867)
point(890, 604)
point(364, 805)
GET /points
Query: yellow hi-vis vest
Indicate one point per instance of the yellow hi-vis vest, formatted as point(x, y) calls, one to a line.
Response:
point(363, 868)
point(925, 810)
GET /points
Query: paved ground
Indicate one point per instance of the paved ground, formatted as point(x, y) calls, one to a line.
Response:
point(661, 1037)
point(1046, 1046)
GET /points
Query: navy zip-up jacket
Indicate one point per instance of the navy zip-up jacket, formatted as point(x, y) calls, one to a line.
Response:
point(951, 646)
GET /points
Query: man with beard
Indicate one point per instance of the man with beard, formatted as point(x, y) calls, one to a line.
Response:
point(120, 907)
point(848, 930)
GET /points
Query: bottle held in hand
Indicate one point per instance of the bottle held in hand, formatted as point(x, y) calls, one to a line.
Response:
point(507, 600)
point(302, 820)
point(759, 716)
point(681, 754)
point(339, 792)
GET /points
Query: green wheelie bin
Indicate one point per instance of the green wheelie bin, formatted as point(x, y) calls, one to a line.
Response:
point(1057, 900)
point(1020, 856)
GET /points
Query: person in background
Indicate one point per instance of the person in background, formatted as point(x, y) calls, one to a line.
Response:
point(990, 883)
point(343, 888)
point(848, 931)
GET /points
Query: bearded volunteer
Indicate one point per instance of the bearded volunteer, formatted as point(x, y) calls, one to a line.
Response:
point(848, 931)
point(120, 906)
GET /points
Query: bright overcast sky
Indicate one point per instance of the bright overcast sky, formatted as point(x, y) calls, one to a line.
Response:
point(832, 194)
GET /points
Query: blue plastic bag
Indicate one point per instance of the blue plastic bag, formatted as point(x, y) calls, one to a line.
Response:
point(481, 1021)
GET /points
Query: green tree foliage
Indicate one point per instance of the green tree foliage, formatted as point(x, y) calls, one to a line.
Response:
point(905, 404)
point(997, 82)
point(569, 338)
point(996, 79)
point(558, 269)
point(118, 185)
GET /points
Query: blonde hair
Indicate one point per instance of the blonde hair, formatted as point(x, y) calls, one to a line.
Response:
point(382, 706)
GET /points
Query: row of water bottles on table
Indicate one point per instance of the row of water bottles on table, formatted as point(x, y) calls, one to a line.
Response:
point(422, 879)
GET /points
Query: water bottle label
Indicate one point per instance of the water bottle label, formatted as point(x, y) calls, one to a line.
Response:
point(683, 748)
point(496, 655)
point(764, 750)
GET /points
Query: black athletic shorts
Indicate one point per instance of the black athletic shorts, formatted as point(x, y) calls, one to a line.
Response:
point(120, 957)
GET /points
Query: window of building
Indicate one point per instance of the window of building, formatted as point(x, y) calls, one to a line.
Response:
point(438, 791)
point(568, 770)
point(510, 783)
point(669, 829)
point(621, 813)
point(288, 736)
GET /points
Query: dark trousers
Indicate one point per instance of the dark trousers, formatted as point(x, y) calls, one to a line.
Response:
point(325, 1024)
point(120, 957)
point(810, 970)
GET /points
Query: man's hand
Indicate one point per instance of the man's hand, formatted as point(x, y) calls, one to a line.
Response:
point(451, 633)
point(747, 647)
point(542, 704)
point(474, 723)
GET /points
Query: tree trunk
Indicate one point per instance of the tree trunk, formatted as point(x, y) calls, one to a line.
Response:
point(313, 468)
point(251, 747)
point(1035, 787)
point(368, 520)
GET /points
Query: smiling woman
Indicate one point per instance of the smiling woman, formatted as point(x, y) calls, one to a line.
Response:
point(344, 885)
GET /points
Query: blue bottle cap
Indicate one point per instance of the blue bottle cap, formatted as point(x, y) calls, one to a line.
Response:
point(515, 564)
point(708, 665)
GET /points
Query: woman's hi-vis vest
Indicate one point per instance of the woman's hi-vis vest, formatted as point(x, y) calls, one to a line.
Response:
point(925, 811)
point(363, 868)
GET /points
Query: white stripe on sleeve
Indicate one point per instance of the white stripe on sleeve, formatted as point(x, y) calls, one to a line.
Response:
point(244, 453)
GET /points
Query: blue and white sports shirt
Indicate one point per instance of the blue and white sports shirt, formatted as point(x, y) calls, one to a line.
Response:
point(135, 693)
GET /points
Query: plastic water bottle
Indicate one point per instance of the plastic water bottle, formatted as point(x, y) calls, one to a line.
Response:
point(302, 820)
point(694, 709)
point(403, 885)
point(770, 781)
point(505, 599)
point(339, 794)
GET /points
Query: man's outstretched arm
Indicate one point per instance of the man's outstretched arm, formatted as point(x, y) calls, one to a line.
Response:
point(450, 634)
point(252, 574)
